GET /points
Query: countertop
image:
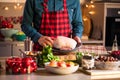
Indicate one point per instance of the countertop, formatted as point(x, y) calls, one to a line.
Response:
point(42, 74)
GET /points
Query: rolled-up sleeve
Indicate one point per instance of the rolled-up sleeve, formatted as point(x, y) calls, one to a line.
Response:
point(77, 23)
point(27, 21)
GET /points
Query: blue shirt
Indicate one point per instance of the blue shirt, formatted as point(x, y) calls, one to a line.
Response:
point(32, 16)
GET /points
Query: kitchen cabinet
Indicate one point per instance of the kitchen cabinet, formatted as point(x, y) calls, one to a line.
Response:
point(11, 48)
point(5, 49)
point(99, 18)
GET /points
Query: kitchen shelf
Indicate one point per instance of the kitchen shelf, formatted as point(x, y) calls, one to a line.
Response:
point(92, 42)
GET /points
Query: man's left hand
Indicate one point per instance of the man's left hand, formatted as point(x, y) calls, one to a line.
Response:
point(76, 38)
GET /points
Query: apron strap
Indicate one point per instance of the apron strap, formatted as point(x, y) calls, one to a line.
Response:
point(46, 7)
point(65, 4)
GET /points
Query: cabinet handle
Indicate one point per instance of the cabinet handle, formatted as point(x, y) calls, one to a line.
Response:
point(117, 19)
point(3, 45)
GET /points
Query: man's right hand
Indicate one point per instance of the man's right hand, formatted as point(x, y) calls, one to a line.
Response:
point(45, 40)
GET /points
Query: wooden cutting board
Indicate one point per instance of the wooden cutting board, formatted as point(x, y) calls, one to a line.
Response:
point(102, 74)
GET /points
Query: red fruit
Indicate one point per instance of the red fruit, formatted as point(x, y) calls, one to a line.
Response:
point(8, 61)
point(69, 64)
point(23, 70)
point(12, 64)
point(18, 64)
point(34, 66)
point(10, 25)
point(116, 54)
point(31, 69)
point(18, 59)
point(4, 24)
point(27, 61)
point(15, 69)
point(61, 64)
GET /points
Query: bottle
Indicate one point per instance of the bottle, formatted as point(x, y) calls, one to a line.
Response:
point(28, 44)
point(115, 45)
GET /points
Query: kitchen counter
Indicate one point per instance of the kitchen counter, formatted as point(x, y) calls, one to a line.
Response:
point(42, 74)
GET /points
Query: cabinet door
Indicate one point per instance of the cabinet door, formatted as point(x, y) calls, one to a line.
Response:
point(16, 48)
point(5, 50)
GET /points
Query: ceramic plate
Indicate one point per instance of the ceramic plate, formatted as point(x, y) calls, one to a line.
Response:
point(67, 51)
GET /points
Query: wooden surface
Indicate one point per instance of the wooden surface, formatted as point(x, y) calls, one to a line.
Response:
point(102, 74)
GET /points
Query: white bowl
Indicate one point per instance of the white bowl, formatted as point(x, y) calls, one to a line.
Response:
point(62, 70)
point(8, 32)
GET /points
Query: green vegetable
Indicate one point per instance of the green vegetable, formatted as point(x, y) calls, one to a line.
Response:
point(46, 56)
point(79, 56)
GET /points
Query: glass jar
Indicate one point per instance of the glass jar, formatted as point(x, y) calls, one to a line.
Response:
point(87, 62)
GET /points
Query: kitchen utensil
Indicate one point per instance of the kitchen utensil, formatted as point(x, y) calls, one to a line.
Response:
point(28, 44)
point(23, 54)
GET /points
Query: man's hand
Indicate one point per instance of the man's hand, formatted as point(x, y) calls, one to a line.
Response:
point(45, 40)
point(76, 38)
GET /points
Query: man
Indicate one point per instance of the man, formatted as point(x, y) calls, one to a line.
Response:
point(44, 20)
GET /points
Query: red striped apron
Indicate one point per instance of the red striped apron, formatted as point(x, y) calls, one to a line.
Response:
point(55, 23)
